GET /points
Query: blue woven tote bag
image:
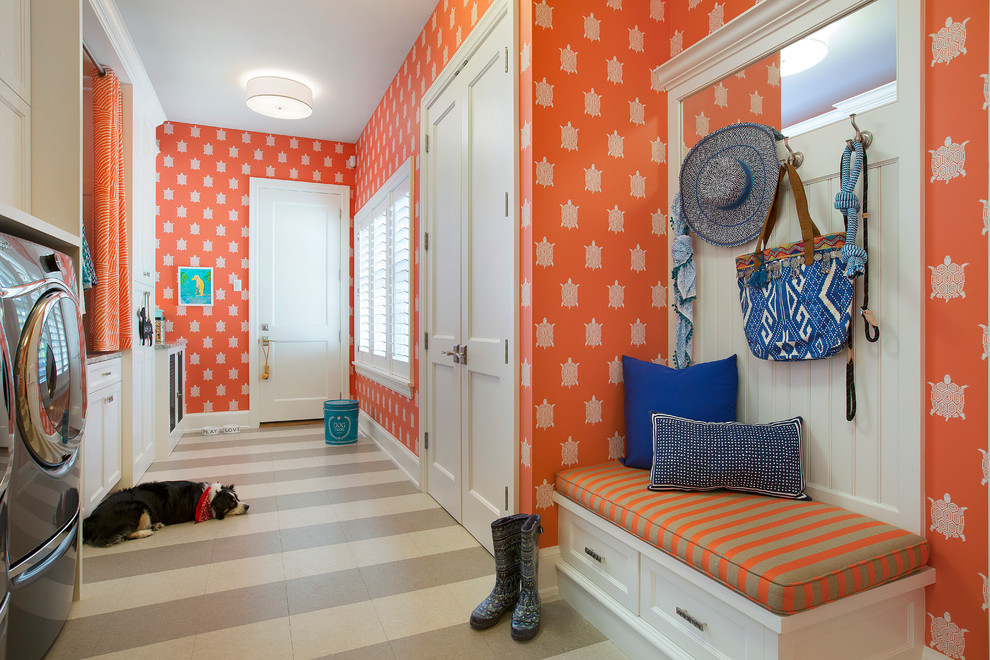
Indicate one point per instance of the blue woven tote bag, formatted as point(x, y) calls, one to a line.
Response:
point(796, 300)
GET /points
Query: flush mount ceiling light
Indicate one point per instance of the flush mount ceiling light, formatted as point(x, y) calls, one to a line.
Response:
point(802, 55)
point(281, 98)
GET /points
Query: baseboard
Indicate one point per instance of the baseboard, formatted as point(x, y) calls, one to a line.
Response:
point(546, 578)
point(404, 459)
point(931, 654)
point(196, 421)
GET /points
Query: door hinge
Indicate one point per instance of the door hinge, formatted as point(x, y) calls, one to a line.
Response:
point(507, 498)
point(427, 143)
point(426, 341)
point(426, 440)
point(507, 205)
point(426, 241)
point(507, 351)
point(506, 59)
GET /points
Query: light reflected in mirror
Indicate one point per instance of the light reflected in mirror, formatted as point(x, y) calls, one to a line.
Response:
point(845, 67)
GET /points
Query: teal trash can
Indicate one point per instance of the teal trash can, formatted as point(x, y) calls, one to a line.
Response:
point(340, 421)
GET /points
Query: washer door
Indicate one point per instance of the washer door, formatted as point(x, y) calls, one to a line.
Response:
point(50, 381)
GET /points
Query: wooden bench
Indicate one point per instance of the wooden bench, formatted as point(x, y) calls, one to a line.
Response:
point(721, 575)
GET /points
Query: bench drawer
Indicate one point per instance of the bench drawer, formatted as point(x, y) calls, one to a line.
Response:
point(103, 373)
point(698, 622)
point(608, 563)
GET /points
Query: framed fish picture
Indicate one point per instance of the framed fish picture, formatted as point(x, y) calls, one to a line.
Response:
point(195, 286)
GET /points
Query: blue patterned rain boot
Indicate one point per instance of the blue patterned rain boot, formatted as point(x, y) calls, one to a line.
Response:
point(526, 617)
point(506, 537)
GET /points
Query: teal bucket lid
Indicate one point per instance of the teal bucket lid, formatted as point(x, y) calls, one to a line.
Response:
point(340, 404)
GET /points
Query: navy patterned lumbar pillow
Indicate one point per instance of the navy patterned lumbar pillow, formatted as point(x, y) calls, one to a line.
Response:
point(755, 458)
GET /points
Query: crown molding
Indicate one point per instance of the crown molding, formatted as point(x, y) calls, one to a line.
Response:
point(731, 45)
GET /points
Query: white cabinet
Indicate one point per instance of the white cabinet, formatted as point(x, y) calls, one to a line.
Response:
point(101, 444)
point(15, 100)
point(139, 383)
point(171, 408)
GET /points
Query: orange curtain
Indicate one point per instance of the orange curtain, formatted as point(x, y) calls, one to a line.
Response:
point(108, 303)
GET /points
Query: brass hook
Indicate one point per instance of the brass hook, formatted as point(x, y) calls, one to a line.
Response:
point(795, 158)
point(863, 137)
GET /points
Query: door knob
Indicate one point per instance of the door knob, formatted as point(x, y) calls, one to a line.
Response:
point(459, 354)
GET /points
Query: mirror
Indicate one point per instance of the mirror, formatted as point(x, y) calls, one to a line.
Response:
point(845, 67)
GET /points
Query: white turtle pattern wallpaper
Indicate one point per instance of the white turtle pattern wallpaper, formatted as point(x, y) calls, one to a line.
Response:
point(955, 139)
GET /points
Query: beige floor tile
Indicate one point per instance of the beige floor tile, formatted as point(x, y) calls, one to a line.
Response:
point(417, 612)
point(164, 586)
point(251, 523)
point(469, 593)
point(301, 486)
point(600, 651)
point(334, 630)
point(208, 472)
point(240, 573)
point(384, 506)
point(384, 549)
point(174, 649)
point(99, 597)
point(315, 515)
point(171, 535)
point(329, 459)
point(445, 539)
point(318, 560)
point(266, 640)
point(247, 492)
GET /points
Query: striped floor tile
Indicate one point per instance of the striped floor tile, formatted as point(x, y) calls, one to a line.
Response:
point(340, 557)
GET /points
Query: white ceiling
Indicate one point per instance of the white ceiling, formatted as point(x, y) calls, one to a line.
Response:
point(199, 55)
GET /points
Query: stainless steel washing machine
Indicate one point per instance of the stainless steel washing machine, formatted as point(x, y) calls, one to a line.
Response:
point(40, 308)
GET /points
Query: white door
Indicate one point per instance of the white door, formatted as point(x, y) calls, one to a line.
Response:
point(470, 287)
point(298, 356)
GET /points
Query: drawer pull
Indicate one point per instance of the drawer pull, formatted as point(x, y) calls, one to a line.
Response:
point(110, 399)
point(107, 373)
point(690, 619)
point(594, 555)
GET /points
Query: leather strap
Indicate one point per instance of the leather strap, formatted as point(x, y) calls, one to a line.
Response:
point(809, 230)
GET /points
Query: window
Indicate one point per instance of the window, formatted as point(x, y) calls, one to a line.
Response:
point(383, 283)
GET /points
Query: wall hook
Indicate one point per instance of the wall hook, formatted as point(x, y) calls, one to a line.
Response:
point(863, 137)
point(795, 158)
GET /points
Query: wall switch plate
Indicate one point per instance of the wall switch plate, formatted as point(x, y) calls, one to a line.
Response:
point(237, 284)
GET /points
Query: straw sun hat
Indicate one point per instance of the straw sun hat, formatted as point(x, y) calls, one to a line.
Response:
point(728, 182)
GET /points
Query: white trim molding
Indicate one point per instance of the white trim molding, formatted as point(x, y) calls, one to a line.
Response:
point(404, 459)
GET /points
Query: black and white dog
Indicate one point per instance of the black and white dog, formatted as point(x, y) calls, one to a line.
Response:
point(134, 513)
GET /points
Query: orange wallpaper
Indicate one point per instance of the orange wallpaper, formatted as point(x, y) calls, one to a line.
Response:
point(594, 230)
point(752, 95)
point(693, 20)
point(203, 187)
point(389, 139)
point(955, 270)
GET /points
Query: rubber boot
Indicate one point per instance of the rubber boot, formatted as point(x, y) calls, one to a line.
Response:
point(506, 538)
point(526, 616)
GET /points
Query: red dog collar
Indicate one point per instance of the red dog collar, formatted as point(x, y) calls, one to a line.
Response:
point(203, 509)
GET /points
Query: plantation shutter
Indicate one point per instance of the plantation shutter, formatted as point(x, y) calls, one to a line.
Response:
point(401, 279)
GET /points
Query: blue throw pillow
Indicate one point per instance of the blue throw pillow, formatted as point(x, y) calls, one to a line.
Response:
point(705, 391)
point(755, 458)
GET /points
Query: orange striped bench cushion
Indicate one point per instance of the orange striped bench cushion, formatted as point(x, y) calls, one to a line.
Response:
point(786, 555)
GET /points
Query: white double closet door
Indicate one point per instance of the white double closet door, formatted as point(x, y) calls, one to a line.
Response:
point(469, 288)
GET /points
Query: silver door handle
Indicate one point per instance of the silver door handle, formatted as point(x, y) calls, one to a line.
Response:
point(459, 354)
